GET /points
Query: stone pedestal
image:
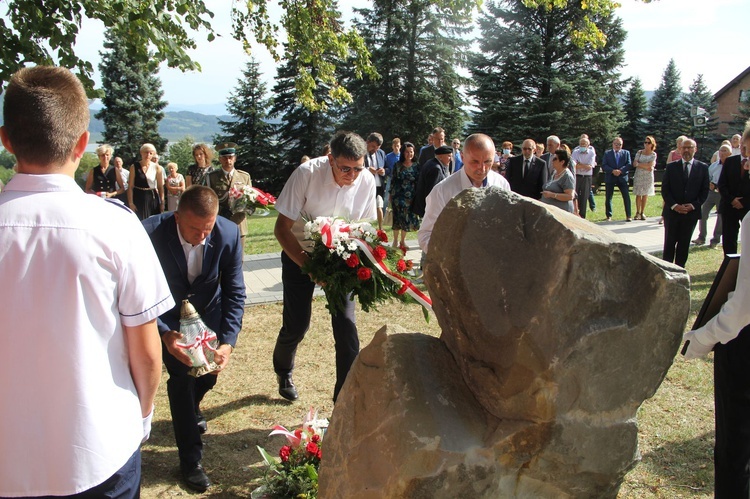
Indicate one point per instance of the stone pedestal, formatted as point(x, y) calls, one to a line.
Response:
point(553, 334)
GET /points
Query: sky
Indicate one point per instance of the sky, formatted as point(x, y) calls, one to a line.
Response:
point(702, 36)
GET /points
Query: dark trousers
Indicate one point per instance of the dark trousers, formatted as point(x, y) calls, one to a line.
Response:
point(124, 484)
point(678, 229)
point(732, 402)
point(298, 292)
point(583, 190)
point(622, 183)
point(185, 393)
point(730, 228)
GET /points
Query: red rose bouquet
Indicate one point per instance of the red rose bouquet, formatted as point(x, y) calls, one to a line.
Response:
point(248, 199)
point(295, 472)
point(352, 258)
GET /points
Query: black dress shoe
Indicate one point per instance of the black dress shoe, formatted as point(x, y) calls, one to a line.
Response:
point(202, 425)
point(195, 477)
point(287, 388)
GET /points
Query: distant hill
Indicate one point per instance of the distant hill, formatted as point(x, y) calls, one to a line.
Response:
point(176, 125)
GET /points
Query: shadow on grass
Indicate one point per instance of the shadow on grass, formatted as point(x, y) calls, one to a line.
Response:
point(228, 459)
point(231, 459)
point(685, 466)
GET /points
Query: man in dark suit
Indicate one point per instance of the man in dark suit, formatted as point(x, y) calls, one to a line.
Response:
point(616, 165)
point(430, 175)
point(201, 255)
point(429, 152)
point(734, 187)
point(684, 189)
point(526, 173)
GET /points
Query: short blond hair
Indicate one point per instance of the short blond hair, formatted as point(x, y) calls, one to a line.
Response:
point(45, 113)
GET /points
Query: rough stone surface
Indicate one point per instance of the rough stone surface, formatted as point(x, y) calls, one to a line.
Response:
point(553, 333)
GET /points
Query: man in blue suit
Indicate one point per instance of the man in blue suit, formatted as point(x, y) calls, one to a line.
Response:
point(684, 189)
point(616, 165)
point(201, 256)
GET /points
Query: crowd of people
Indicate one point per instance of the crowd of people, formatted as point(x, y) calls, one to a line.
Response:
point(159, 239)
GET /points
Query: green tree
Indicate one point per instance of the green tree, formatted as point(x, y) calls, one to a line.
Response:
point(708, 140)
point(635, 107)
point(302, 132)
point(7, 160)
point(257, 153)
point(181, 152)
point(531, 79)
point(416, 49)
point(35, 32)
point(132, 101)
point(668, 114)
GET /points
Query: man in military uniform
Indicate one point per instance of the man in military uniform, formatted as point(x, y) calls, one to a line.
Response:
point(221, 181)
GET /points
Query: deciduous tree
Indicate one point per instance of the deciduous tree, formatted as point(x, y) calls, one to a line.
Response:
point(45, 32)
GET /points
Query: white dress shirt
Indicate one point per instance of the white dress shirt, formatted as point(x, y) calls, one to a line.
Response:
point(75, 270)
point(193, 256)
point(312, 191)
point(446, 190)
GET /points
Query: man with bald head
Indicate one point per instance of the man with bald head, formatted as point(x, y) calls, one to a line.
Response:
point(526, 173)
point(478, 155)
point(684, 189)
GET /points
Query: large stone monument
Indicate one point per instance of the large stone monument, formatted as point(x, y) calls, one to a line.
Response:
point(553, 334)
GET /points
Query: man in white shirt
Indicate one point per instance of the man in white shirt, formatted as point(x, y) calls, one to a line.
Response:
point(81, 291)
point(375, 163)
point(332, 186)
point(478, 155)
point(584, 159)
point(728, 335)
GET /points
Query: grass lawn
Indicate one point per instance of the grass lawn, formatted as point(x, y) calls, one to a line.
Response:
point(676, 425)
point(653, 206)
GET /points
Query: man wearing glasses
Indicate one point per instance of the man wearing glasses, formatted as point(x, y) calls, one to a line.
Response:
point(328, 186)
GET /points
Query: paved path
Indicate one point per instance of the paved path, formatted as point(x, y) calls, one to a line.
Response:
point(263, 272)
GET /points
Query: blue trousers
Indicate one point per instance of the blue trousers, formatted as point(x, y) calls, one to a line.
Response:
point(621, 183)
point(124, 484)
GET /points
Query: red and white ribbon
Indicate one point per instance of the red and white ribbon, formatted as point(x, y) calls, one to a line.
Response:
point(203, 340)
point(406, 285)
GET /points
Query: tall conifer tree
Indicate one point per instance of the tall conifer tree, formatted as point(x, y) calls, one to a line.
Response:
point(133, 105)
point(416, 49)
point(699, 96)
point(257, 152)
point(302, 132)
point(668, 114)
point(531, 80)
point(635, 107)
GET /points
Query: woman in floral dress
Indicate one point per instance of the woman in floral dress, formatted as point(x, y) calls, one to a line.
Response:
point(643, 179)
point(403, 188)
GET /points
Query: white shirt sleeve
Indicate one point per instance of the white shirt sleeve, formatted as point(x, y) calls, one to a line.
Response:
point(735, 313)
point(292, 198)
point(143, 290)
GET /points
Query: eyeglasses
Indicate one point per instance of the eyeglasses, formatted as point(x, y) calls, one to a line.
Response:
point(648, 143)
point(526, 148)
point(348, 169)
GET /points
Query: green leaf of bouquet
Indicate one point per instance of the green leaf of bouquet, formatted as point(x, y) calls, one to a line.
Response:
point(268, 458)
point(426, 314)
point(312, 472)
